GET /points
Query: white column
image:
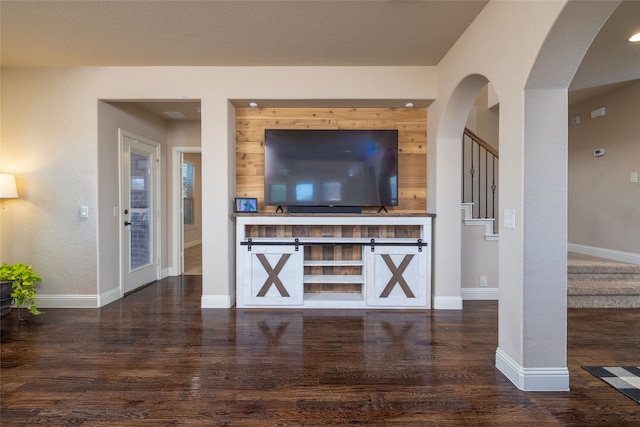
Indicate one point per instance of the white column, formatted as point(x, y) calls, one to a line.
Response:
point(532, 350)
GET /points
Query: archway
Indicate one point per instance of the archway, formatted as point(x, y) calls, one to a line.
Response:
point(533, 92)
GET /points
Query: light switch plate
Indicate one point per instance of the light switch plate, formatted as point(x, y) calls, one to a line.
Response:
point(509, 218)
point(84, 211)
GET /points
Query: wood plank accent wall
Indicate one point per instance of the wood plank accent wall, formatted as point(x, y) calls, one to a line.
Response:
point(411, 124)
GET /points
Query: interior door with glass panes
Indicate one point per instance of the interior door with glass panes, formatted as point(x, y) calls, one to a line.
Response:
point(138, 212)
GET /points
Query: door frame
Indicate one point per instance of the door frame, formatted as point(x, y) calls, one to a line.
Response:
point(157, 220)
point(177, 226)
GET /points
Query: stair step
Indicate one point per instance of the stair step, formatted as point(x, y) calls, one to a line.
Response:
point(604, 301)
point(585, 264)
point(603, 277)
point(602, 268)
point(603, 288)
point(600, 283)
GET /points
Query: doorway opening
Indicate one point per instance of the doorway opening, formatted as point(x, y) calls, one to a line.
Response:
point(187, 209)
point(191, 214)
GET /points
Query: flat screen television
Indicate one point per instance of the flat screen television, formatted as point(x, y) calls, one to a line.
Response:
point(330, 168)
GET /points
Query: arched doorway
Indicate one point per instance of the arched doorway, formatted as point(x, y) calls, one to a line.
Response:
point(533, 133)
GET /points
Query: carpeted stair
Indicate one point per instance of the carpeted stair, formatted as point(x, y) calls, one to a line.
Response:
point(601, 283)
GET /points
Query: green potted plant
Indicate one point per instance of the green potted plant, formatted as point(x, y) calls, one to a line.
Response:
point(23, 280)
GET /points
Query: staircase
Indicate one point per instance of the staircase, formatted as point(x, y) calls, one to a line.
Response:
point(591, 282)
point(601, 283)
point(480, 164)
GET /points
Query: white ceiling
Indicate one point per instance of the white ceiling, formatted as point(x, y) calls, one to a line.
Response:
point(219, 33)
point(272, 32)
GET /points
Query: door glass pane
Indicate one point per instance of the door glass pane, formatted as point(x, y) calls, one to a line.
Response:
point(140, 236)
point(188, 177)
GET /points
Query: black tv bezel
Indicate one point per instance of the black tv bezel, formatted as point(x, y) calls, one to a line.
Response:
point(336, 207)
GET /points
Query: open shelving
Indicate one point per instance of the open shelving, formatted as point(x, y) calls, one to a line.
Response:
point(337, 261)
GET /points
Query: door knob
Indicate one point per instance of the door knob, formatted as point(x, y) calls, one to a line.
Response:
point(127, 223)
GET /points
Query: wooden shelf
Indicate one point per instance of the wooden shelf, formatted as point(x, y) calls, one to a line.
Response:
point(333, 263)
point(333, 278)
point(332, 296)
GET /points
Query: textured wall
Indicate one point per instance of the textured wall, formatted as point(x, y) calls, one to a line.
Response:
point(52, 141)
point(604, 206)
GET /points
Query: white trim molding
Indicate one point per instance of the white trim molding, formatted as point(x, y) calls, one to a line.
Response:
point(78, 301)
point(68, 301)
point(109, 297)
point(611, 254)
point(532, 379)
point(480, 294)
point(447, 303)
point(217, 301)
point(487, 223)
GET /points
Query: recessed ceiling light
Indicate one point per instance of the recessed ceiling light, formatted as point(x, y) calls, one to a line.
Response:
point(409, 105)
point(635, 38)
point(253, 104)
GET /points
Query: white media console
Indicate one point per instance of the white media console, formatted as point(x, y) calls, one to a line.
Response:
point(336, 261)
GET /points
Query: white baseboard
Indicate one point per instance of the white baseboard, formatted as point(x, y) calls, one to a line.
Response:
point(628, 257)
point(216, 301)
point(480, 294)
point(67, 301)
point(532, 379)
point(109, 297)
point(447, 303)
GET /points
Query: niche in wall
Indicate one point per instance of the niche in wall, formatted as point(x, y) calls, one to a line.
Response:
point(411, 124)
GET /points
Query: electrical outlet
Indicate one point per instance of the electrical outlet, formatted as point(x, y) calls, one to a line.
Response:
point(633, 177)
point(483, 281)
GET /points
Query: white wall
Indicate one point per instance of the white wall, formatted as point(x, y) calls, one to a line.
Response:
point(604, 206)
point(50, 140)
point(484, 118)
point(479, 257)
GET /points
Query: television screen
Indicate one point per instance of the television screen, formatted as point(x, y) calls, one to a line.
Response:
point(331, 167)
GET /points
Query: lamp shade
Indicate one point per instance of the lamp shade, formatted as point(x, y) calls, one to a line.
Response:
point(8, 188)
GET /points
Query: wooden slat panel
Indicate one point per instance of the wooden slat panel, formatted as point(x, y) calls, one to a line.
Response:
point(412, 144)
point(250, 146)
point(417, 125)
point(250, 164)
point(406, 114)
point(352, 288)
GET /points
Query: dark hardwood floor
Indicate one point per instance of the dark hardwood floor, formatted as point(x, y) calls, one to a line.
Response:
point(155, 358)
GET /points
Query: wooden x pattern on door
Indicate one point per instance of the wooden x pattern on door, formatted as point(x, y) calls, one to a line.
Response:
point(397, 276)
point(273, 275)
